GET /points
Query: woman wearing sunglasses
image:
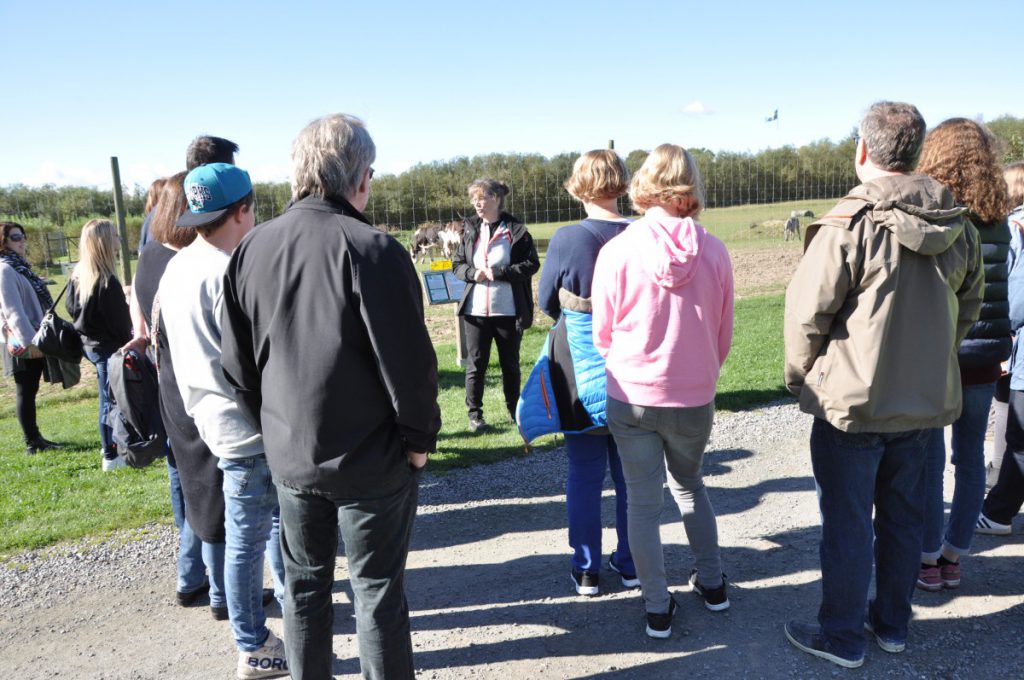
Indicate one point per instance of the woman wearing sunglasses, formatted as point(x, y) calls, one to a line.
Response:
point(23, 300)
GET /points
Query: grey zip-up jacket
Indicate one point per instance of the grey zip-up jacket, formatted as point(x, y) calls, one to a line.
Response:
point(889, 284)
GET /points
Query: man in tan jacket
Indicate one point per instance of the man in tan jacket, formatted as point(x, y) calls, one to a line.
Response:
point(889, 283)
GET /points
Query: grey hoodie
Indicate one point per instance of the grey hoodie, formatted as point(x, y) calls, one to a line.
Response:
point(890, 282)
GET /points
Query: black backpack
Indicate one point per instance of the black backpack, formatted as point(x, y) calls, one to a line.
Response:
point(135, 408)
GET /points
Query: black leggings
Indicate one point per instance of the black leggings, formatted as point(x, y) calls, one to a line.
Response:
point(480, 332)
point(26, 383)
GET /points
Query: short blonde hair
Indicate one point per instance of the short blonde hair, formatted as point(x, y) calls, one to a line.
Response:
point(598, 175)
point(668, 176)
point(1014, 174)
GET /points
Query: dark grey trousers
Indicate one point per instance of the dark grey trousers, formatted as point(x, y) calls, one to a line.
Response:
point(376, 533)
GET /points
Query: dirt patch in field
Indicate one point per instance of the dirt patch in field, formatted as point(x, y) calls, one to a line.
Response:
point(763, 271)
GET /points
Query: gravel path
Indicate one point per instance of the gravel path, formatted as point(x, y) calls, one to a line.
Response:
point(490, 595)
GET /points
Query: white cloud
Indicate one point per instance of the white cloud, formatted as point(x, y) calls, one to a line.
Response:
point(698, 108)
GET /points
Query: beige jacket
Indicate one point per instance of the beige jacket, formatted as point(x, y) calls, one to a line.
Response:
point(890, 282)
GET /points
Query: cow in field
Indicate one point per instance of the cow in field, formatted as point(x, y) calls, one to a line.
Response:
point(425, 240)
point(450, 235)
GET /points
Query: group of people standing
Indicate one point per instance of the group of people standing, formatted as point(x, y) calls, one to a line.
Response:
point(298, 383)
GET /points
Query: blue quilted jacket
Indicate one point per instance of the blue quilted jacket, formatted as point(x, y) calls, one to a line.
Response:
point(565, 391)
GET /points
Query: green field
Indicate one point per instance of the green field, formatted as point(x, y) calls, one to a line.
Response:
point(61, 495)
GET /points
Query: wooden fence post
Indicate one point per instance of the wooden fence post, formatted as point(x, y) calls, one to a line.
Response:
point(122, 231)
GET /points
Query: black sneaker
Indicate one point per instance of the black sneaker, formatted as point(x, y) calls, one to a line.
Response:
point(221, 613)
point(585, 582)
point(477, 423)
point(187, 599)
point(807, 638)
point(660, 625)
point(37, 444)
point(628, 580)
point(714, 599)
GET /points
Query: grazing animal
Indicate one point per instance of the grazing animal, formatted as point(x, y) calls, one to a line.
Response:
point(450, 235)
point(792, 226)
point(424, 241)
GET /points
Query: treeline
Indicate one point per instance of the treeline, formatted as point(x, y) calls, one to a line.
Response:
point(436, 192)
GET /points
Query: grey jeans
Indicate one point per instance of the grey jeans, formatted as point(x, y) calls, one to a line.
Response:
point(652, 440)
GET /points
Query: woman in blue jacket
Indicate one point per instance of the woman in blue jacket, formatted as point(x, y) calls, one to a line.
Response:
point(566, 390)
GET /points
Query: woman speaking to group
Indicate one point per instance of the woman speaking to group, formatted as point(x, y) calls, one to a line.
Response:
point(497, 259)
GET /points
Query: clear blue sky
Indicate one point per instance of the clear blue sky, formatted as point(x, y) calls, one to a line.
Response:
point(433, 80)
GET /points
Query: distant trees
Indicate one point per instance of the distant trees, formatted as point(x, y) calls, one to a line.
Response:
point(436, 192)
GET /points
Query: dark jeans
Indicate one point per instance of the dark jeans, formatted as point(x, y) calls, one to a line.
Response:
point(853, 472)
point(99, 360)
point(1006, 497)
point(376, 532)
point(26, 386)
point(480, 331)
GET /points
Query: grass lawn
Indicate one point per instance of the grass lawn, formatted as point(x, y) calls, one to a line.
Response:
point(60, 495)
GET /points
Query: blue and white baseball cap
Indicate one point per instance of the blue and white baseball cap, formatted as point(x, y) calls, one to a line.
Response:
point(210, 189)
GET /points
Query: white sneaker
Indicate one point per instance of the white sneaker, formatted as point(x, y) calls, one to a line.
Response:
point(266, 662)
point(113, 463)
point(987, 526)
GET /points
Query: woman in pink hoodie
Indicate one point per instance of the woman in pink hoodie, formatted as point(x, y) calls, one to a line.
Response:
point(663, 300)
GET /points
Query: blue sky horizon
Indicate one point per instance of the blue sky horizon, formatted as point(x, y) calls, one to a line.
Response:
point(434, 82)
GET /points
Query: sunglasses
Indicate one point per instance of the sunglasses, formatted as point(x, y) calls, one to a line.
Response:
point(15, 236)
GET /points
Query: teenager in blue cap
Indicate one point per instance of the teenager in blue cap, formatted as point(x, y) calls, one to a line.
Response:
point(221, 209)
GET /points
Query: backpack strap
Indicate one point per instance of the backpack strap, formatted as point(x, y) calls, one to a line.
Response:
point(154, 332)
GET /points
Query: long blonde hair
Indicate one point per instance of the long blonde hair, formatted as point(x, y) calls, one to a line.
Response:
point(97, 250)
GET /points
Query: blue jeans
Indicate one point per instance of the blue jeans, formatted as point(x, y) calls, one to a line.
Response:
point(589, 456)
point(855, 472)
point(251, 527)
point(376, 532)
point(191, 569)
point(969, 492)
point(99, 360)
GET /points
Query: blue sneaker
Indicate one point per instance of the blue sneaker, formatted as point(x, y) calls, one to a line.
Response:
point(807, 638)
point(891, 645)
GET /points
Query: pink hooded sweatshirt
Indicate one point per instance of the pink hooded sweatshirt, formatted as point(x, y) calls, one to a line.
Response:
point(663, 297)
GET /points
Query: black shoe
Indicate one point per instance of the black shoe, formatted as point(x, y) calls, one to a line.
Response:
point(628, 580)
point(221, 613)
point(714, 599)
point(660, 625)
point(38, 444)
point(585, 582)
point(477, 423)
point(189, 598)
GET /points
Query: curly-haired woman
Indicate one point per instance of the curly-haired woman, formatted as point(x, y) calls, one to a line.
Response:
point(961, 154)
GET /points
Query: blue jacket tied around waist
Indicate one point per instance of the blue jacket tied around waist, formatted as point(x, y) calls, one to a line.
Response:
point(565, 391)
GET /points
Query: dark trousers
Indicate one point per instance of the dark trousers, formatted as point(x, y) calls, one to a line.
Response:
point(26, 386)
point(376, 532)
point(1006, 497)
point(855, 472)
point(480, 331)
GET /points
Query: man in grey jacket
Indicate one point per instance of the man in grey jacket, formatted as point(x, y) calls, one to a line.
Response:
point(889, 283)
point(326, 346)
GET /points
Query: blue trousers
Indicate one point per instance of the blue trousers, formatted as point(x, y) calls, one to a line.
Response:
point(855, 472)
point(589, 457)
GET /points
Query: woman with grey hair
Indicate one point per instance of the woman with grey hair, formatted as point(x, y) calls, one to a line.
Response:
point(497, 259)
